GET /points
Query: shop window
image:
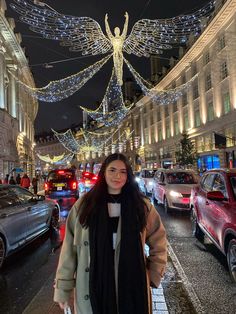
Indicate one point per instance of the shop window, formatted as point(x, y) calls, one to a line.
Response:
point(184, 100)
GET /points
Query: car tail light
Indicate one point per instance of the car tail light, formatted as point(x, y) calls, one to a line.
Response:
point(74, 185)
point(94, 178)
point(61, 171)
point(46, 186)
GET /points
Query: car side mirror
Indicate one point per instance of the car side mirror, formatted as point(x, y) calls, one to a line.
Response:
point(215, 196)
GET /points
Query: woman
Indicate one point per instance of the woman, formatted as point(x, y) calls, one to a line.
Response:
point(103, 251)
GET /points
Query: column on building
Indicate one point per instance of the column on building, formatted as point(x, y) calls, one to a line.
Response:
point(202, 93)
point(190, 99)
point(163, 121)
point(141, 127)
point(171, 119)
point(2, 76)
point(215, 74)
point(12, 91)
point(231, 57)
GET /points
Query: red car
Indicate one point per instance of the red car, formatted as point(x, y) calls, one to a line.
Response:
point(86, 181)
point(213, 212)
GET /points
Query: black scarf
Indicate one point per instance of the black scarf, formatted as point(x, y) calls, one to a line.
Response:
point(132, 285)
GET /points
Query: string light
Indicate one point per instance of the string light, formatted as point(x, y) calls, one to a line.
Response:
point(84, 34)
point(61, 89)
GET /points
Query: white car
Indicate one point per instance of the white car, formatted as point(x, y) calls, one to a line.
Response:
point(145, 180)
point(172, 188)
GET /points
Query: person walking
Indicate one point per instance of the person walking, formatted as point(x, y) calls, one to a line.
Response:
point(102, 255)
point(25, 181)
point(6, 179)
point(35, 185)
point(18, 179)
point(12, 180)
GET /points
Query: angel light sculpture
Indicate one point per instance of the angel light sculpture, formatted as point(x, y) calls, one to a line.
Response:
point(84, 34)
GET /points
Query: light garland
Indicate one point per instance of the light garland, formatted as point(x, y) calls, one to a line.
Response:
point(61, 89)
point(52, 160)
point(84, 34)
point(163, 97)
point(112, 109)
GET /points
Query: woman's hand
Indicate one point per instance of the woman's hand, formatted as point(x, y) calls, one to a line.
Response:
point(63, 305)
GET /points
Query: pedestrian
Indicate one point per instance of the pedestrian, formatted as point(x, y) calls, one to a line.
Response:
point(5, 181)
point(35, 184)
point(25, 181)
point(12, 180)
point(18, 179)
point(102, 256)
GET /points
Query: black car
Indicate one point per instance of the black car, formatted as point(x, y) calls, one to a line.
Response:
point(61, 183)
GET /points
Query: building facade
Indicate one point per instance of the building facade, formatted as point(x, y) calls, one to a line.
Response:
point(17, 108)
point(208, 106)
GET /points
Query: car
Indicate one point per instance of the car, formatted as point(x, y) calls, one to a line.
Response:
point(213, 212)
point(145, 180)
point(172, 188)
point(23, 217)
point(61, 183)
point(86, 181)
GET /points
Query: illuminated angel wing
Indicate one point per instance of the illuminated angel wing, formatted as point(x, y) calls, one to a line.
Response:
point(81, 34)
point(152, 36)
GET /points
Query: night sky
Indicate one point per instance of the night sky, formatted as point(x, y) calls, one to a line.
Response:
point(40, 51)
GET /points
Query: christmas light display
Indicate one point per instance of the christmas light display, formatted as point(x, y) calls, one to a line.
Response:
point(61, 89)
point(83, 34)
point(48, 159)
point(112, 108)
point(163, 97)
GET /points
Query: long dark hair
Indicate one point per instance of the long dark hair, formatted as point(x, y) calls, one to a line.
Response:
point(94, 199)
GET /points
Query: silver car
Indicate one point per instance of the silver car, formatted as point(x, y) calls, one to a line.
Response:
point(23, 217)
point(172, 188)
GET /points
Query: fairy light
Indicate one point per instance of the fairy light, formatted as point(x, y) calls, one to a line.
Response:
point(52, 160)
point(83, 34)
point(61, 89)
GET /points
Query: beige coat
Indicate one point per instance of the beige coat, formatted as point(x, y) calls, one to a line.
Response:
point(73, 267)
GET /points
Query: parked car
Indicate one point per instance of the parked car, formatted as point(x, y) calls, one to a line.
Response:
point(213, 212)
point(172, 188)
point(145, 180)
point(61, 183)
point(86, 181)
point(23, 217)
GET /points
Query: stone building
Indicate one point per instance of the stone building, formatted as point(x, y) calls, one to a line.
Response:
point(17, 108)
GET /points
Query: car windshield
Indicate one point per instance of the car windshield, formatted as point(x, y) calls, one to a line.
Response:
point(233, 184)
point(180, 178)
point(149, 173)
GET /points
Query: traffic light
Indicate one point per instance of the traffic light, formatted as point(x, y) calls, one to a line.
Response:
point(220, 141)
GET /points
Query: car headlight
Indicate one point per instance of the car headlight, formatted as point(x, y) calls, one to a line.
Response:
point(175, 194)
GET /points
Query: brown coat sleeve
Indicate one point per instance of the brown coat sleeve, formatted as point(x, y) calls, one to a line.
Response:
point(157, 243)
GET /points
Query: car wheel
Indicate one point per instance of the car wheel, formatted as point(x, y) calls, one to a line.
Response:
point(2, 251)
point(231, 259)
point(166, 205)
point(196, 230)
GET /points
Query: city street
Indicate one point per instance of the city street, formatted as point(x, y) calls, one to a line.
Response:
point(199, 268)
